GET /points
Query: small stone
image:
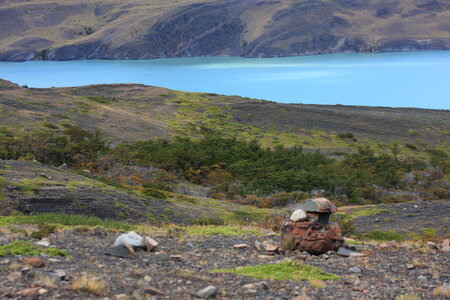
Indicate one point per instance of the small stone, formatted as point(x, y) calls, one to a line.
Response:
point(348, 253)
point(422, 279)
point(446, 243)
point(119, 251)
point(44, 242)
point(176, 257)
point(153, 291)
point(432, 245)
point(409, 266)
point(259, 246)
point(351, 280)
point(34, 262)
point(147, 278)
point(5, 261)
point(301, 297)
point(25, 271)
point(391, 244)
point(298, 215)
point(56, 275)
point(207, 292)
point(29, 293)
point(150, 243)
point(256, 285)
point(265, 256)
point(42, 291)
point(445, 249)
point(270, 246)
point(355, 270)
point(14, 276)
point(325, 256)
point(251, 291)
point(63, 166)
point(240, 246)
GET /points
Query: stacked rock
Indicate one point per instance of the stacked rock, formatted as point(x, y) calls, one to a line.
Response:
point(309, 227)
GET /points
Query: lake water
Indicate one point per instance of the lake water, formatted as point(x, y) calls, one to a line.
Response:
point(413, 79)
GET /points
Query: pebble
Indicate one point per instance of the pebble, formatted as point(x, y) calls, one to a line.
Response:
point(34, 262)
point(207, 292)
point(29, 293)
point(44, 242)
point(147, 278)
point(445, 249)
point(176, 257)
point(422, 279)
point(409, 266)
point(256, 285)
point(240, 246)
point(355, 270)
point(351, 279)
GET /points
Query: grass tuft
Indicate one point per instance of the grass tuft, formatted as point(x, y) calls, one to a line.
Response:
point(317, 283)
point(442, 291)
point(408, 297)
point(281, 271)
point(91, 285)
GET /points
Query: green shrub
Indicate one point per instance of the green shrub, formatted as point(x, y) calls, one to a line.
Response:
point(43, 231)
point(151, 192)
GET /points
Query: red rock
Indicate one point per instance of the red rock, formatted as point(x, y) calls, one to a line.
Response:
point(312, 237)
point(34, 262)
point(301, 297)
point(29, 293)
point(153, 291)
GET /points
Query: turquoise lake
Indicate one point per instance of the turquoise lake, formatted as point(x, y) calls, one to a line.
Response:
point(410, 79)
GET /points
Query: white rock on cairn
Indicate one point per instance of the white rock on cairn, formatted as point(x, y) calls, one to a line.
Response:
point(298, 216)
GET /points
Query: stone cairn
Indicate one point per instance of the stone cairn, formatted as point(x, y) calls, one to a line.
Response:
point(309, 229)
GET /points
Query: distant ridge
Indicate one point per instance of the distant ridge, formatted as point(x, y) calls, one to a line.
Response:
point(145, 29)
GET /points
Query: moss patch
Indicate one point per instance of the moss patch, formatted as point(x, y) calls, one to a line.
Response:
point(390, 235)
point(26, 248)
point(65, 220)
point(281, 271)
point(209, 230)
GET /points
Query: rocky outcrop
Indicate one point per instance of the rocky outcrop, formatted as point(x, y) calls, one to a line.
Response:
point(250, 28)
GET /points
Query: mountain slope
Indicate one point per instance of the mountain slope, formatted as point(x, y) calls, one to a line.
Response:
point(129, 112)
point(114, 29)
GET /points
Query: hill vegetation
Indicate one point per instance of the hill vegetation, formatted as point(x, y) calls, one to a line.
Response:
point(208, 145)
point(67, 30)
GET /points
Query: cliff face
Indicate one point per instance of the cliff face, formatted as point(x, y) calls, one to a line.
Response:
point(38, 29)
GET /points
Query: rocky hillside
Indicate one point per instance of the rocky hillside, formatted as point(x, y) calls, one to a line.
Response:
point(138, 112)
point(114, 29)
point(34, 188)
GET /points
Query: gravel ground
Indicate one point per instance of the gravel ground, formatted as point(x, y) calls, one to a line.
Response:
point(384, 271)
point(408, 217)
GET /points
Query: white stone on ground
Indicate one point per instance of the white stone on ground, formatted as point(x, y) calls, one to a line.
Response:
point(131, 238)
